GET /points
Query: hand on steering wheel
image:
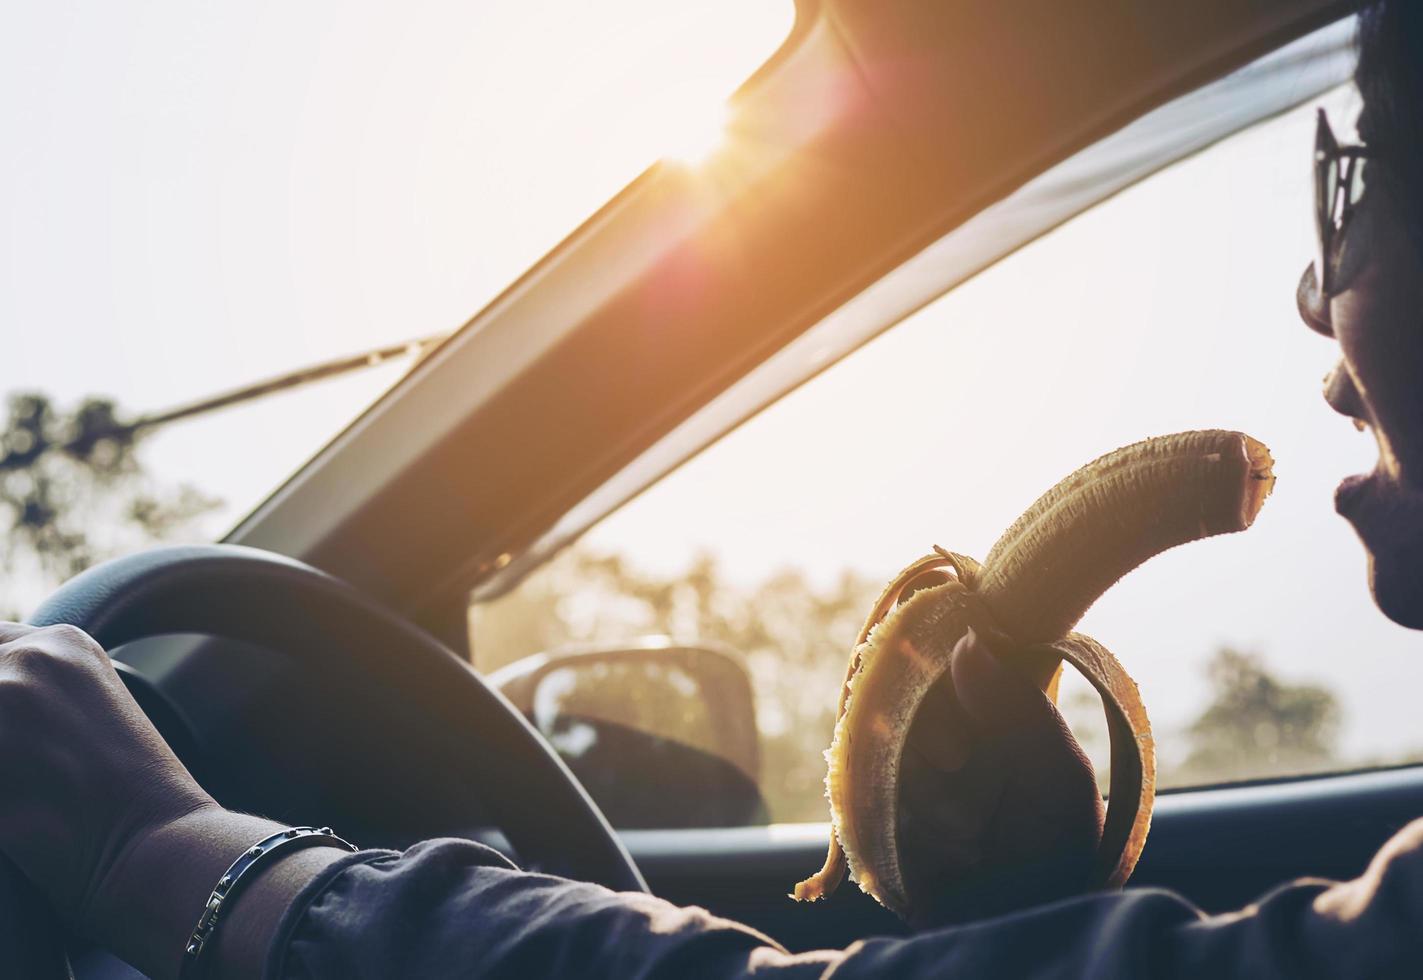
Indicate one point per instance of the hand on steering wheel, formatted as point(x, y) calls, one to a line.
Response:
point(102, 816)
point(86, 775)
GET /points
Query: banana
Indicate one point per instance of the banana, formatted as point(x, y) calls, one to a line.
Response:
point(1038, 580)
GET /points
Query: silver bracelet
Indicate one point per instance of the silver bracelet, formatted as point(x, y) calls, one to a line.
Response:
point(236, 876)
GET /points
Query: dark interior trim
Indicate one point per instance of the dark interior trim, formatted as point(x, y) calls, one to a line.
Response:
point(1221, 848)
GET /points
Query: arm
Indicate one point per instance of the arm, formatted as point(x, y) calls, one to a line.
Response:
point(447, 907)
point(101, 815)
point(169, 874)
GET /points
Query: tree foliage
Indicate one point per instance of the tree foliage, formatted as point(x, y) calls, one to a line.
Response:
point(74, 491)
point(1256, 725)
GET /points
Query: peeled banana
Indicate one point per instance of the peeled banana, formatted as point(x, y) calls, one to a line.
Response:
point(1036, 583)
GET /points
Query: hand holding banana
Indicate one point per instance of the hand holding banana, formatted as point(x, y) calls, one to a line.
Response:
point(919, 807)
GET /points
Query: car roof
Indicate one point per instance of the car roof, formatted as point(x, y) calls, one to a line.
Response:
point(874, 132)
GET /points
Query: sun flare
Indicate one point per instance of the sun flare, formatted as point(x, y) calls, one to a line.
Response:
point(694, 137)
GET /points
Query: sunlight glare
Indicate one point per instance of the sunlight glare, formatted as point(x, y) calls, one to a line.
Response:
point(693, 137)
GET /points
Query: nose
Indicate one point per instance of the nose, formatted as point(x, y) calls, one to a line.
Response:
point(1313, 307)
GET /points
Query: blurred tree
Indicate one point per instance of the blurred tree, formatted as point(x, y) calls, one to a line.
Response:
point(1255, 725)
point(73, 491)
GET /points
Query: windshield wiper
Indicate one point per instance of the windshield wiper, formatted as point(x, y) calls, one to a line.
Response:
point(83, 442)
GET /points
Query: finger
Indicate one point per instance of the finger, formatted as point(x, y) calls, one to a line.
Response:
point(999, 702)
point(943, 817)
point(9, 632)
point(938, 734)
point(63, 640)
point(1133, 755)
point(1032, 744)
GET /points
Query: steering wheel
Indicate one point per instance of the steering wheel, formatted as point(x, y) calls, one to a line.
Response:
point(261, 598)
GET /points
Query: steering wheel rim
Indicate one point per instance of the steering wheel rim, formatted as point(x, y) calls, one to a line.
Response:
point(270, 600)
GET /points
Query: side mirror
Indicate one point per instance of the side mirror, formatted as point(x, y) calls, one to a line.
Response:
point(661, 735)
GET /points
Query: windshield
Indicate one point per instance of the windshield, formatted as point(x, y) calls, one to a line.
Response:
point(203, 196)
point(1166, 307)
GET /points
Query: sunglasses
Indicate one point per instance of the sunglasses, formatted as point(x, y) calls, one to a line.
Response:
point(1338, 189)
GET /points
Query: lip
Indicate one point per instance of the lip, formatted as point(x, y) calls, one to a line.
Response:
point(1349, 496)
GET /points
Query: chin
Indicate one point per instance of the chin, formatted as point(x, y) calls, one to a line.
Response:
point(1388, 517)
point(1398, 589)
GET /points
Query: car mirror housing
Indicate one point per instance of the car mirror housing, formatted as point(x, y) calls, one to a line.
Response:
point(661, 734)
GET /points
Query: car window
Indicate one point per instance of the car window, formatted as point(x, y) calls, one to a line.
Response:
point(1167, 307)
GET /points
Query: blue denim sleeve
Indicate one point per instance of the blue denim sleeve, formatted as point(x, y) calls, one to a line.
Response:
point(455, 909)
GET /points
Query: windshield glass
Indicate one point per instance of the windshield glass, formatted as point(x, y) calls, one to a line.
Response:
point(202, 196)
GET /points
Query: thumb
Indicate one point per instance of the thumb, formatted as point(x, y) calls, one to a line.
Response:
point(1038, 751)
point(998, 700)
point(1033, 741)
point(1036, 841)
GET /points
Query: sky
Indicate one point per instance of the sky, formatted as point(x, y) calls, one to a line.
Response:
point(198, 195)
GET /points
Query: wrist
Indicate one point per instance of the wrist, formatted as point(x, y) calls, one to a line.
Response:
point(145, 907)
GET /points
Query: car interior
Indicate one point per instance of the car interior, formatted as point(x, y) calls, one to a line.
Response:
point(321, 664)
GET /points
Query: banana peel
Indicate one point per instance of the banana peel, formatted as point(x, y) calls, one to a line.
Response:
point(1036, 583)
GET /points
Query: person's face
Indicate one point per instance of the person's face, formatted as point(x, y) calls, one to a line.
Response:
point(1376, 315)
